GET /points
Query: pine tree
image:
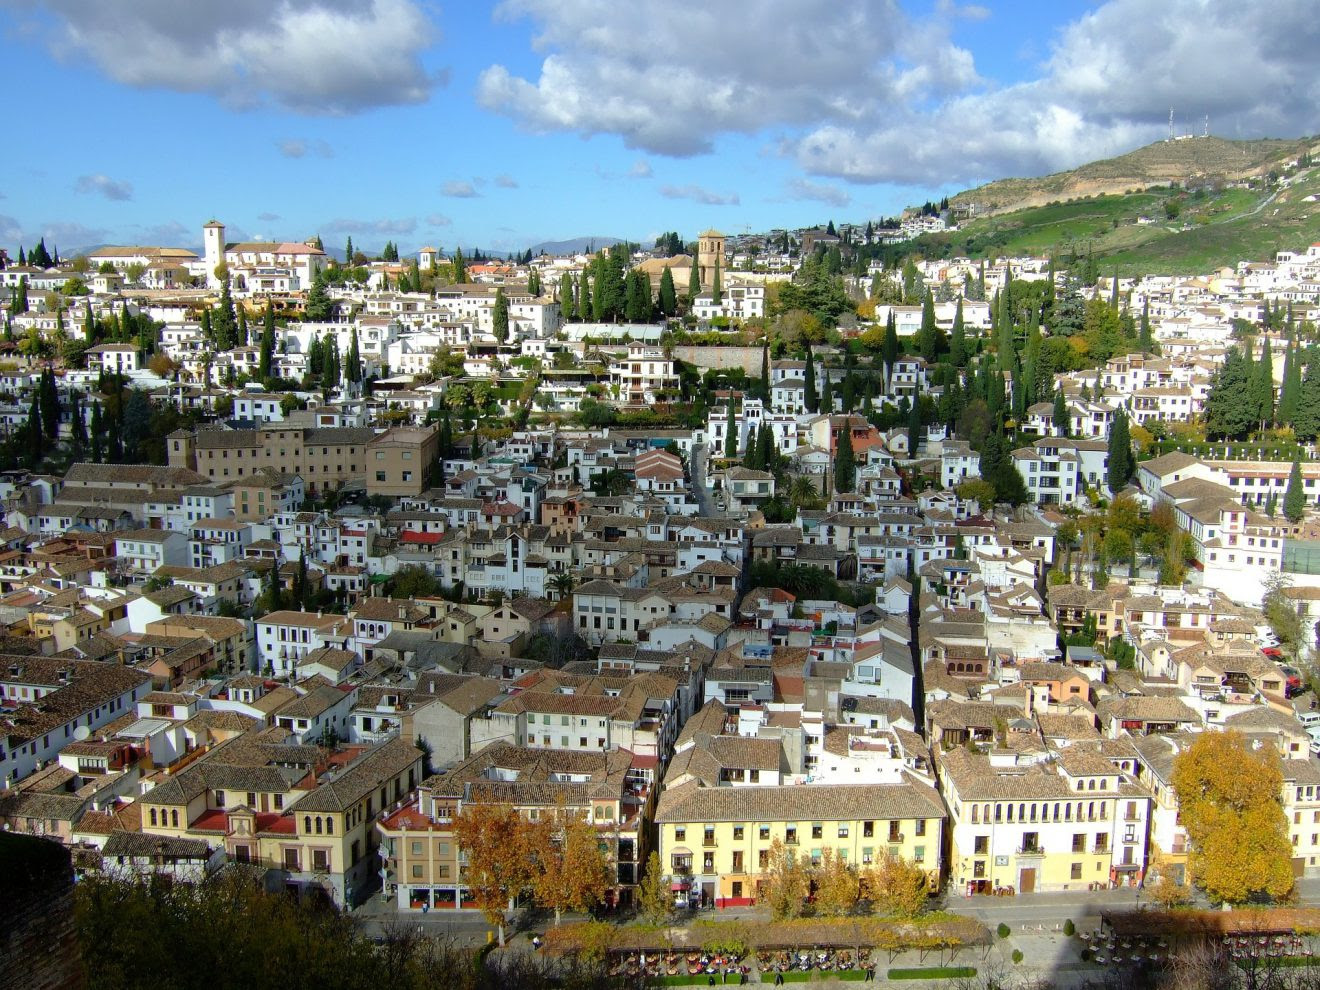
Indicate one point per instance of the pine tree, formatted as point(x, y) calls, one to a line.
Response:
point(845, 461)
point(500, 318)
point(668, 302)
point(319, 307)
point(809, 381)
point(1294, 501)
point(1120, 464)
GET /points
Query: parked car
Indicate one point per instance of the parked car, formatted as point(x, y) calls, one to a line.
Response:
point(1292, 680)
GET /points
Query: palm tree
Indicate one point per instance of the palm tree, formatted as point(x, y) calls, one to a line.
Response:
point(562, 584)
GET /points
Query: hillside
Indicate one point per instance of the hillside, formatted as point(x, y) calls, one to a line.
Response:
point(1159, 164)
point(1155, 228)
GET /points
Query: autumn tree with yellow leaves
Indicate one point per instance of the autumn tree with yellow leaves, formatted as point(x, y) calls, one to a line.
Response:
point(498, 844)
point(786, 883)
point(1230, 796)
point(572, 873)
point(836, 885)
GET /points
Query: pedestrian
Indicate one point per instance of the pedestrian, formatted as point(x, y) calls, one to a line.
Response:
point(710, 981)
point(779, 978)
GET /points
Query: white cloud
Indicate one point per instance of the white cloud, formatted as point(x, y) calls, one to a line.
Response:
point(698, 194)
point(310, 56)
point(866, 93)
point(403, 225)
point(268, 217)
point(818, 191)
point(641, 169)
point(300, 148)
point(103, 185)
point(459, 189)
point(506, 181)
point(438, 220)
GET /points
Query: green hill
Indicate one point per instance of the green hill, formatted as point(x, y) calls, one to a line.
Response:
point(1213, 217)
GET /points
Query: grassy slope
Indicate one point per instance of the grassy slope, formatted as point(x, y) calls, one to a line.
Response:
point(1216, 230)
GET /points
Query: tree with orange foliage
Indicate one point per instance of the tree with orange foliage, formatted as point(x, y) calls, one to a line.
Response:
point(497, 842)
point(571, 871)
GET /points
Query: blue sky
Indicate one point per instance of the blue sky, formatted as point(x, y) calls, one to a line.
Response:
point(503, 125)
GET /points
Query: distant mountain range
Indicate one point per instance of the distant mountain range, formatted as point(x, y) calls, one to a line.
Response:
point(574, 245)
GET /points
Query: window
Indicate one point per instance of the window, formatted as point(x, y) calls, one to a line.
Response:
point(843, 831)
point(738, 833)
point(817, 831)
point(790, 835)
point(763, 832)
point(219, 799)
point(680, 834)
point(1077, 871)
point(982, 846)
point(919, 827)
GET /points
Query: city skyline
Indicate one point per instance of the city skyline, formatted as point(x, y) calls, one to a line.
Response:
point(428, 123)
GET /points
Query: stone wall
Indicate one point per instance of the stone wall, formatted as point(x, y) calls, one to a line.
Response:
point(37, 936)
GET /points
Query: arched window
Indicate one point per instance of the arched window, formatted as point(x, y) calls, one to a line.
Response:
point(1104, 784)
point(318, 824)
point(329, 826)
point(1091, 784)
point(976, 818)
point(153, 816)
point(307, 824)
point(174, 818)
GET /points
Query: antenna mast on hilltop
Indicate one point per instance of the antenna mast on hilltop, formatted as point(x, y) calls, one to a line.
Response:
point(1206, 131)
point(1170, 137)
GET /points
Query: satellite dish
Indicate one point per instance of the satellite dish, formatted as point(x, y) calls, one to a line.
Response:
point(81, 733)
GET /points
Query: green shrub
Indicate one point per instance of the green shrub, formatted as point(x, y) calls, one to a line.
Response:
point(1069, 928)
point(1003, 930)
point(1086, 955)
point(933, 973)
point(1017, 956)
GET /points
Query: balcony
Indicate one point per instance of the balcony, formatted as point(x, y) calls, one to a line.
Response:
point(1031, 849)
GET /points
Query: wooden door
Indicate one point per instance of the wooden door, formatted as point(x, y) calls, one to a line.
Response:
point(1028, 881)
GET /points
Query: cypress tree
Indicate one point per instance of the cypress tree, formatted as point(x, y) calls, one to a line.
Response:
point(731, 433)
point(915, 432)
point(1062, 421)
point(958, 340)
point(36, 443)
point(1263, 390)
point(809, 379)
point(89, 326)
point(826, 395)
point(668, 301)
point(1119, 469)
point(765, 372)
point(208, 331)
point(845, 462)
point(765, 448)
point(889, 350)
point(716, 285)
point(50, 405)
point(98, 433)
point(694, 283)
point(567, 306)
point(584, 298)
point(500, 318)
point(1294, 501)
point(1290, 395)
point(927, 343)
point(243, 339)
point(267, 343)
point(77, 427)
point(353, 371)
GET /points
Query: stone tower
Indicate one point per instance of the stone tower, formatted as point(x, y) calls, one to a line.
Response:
point(710, 246)
point(213, 243)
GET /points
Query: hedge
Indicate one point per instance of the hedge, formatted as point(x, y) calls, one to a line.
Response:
point(933, 973)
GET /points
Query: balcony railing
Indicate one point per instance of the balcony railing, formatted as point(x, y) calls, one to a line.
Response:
point(1031, 849)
